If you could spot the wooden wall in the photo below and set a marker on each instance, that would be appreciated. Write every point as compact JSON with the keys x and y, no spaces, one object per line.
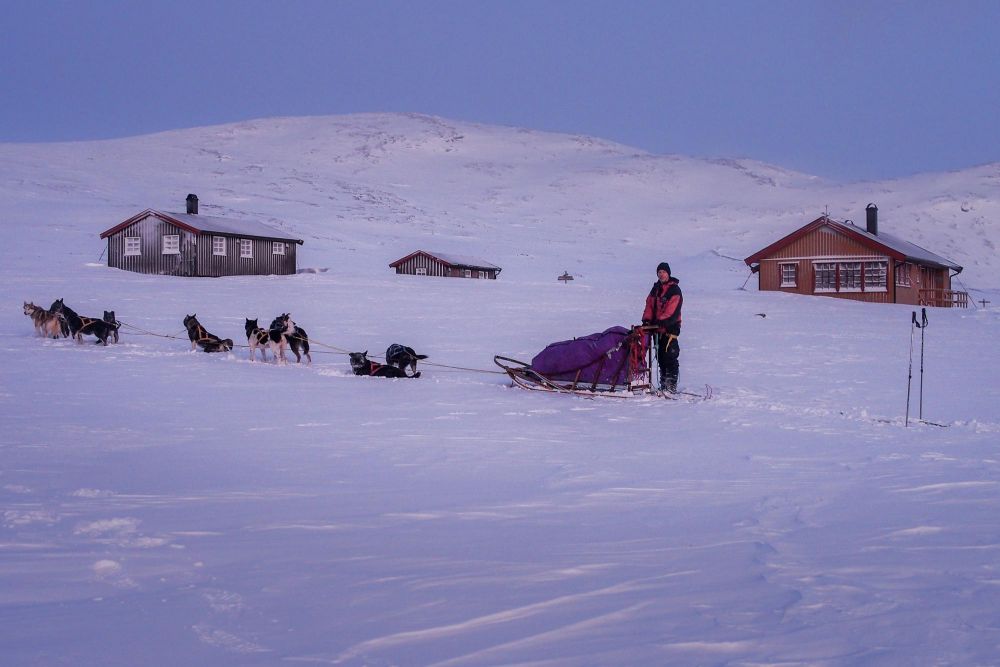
{"x":196,"y":257}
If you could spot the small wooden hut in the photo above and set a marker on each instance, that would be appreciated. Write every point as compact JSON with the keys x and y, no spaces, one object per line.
{"x":445,"y":265}
{"x":189,"y":244}
{"x":828,"y":257}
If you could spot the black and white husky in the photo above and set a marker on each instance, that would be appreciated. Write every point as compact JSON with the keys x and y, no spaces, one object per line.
{"x":362,"y":365}
{"x":257,"y":337}
{"x":283,"y":333}
{"x":401,"y":356}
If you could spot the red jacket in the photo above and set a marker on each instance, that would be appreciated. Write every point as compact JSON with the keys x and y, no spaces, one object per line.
{"x":663,"y":306}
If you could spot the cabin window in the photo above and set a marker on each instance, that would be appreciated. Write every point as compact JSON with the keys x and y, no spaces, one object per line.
{"x":850,"y":276}
{"x":482,"y":275}
{"x":133,"y":246}
{"x":421,"y":271}
{"x":903,"y":274}
{"x":826,"y":277}
{"x":875,"y":276}
{"x":246,"y":248}
{"x":219,"y":245}
{"x":171,"y":244}
{"x":468,"y":273}
{"x":277,"y":248}
{"x":789,"y":275}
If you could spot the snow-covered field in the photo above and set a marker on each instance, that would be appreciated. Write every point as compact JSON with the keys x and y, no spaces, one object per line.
{"x":160,"y":506}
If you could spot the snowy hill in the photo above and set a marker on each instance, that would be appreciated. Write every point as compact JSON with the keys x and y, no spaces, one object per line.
{"x":365,"y":189}
{"x":160,"y":506}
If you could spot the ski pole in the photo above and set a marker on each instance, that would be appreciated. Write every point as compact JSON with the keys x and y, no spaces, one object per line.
{"x":909,"y":370}
{"x":653,"y":359}
{"x":923,"y":326}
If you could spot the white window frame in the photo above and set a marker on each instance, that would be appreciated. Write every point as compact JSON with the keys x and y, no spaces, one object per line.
{"x":793,"y":281}
{"x":421,"y":271}
{"x":880,"y":270}
{"x":133,"y":246}
{"x":219,"y":246}
{"x":171,"y":244}
{"x":468,"y":273}
{"x":828,"y":266}
{"x":246,"y":248}
{"x":482,"y":275}
{"x":277,"y":247}
{"x":847,"y":270}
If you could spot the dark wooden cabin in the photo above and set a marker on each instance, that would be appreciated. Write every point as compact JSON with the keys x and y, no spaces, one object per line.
{"x":445,"y":265}
{"x":828,"y":257}
{"x":189,"y":244}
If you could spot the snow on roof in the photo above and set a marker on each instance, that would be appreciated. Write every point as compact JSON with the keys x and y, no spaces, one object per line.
{"x":237,"y":227}
{"x":911,"y":250}
{"x":454,"y":260}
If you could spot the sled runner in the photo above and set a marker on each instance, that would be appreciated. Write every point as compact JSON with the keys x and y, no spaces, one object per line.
{"x":610,"y":363}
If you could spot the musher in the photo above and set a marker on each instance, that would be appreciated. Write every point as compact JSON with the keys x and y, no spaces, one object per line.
{"x":663,"y":310}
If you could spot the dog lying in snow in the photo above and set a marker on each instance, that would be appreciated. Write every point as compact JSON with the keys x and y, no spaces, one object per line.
{"x":201,"y":338}
{"x":362,"y":365}
{"x":401,"y":356}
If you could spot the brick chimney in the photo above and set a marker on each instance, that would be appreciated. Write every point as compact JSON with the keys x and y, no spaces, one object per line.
{"x":871,"y":218}
{"x":192,"y":204}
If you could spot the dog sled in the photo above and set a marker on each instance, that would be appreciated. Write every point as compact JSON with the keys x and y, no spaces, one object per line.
{"x":610,"y":363}
{"x":614,"y":363}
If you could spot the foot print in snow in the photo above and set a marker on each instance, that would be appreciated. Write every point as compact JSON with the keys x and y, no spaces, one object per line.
{"x":111,"y":572}
{"x":226,"y":640}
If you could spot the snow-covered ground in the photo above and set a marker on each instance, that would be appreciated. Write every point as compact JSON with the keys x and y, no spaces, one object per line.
{"x":160,"y":506}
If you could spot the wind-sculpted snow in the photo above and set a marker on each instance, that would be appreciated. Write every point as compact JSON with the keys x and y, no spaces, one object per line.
{"x":160,"y":506}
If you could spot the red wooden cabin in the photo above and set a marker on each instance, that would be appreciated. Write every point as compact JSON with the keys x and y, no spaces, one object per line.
{"x":423,"y":263}
{"x":828,"y":257}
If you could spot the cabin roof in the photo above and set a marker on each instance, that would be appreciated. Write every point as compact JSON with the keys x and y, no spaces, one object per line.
{"x":210,"y":224}
{"x":886,"y":243}
{"x":456,"y":261}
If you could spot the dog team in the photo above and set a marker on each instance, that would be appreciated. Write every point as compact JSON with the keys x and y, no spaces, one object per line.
{"x":60,"y":320}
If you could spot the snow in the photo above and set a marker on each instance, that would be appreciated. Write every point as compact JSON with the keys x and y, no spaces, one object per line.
{"x":163,"y":506}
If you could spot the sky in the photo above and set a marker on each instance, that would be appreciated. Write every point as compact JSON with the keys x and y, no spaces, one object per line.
{"x":847,"y":90}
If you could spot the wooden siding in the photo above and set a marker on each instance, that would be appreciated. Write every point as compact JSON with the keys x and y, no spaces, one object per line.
{"x":438,"y":268}
{"x":151,"y":259}
{"x":196,"y":257}
{"x":263,"y":263}
{"x":822,"y":244}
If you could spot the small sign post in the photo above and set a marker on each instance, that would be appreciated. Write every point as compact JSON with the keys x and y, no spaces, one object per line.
{"x":565,"y":278}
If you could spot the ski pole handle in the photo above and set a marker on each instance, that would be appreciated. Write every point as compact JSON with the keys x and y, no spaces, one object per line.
{"x":923,"y":316}
{"x":914,"y":319}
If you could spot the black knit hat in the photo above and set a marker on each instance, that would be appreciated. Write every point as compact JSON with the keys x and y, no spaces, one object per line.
{"x":663,"y":266}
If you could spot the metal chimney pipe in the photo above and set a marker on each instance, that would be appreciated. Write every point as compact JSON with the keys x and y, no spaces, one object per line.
{"x":871,"y":219}
{"x":192,"y":204}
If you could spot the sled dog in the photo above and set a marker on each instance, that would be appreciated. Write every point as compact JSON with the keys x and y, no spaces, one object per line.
{"x":362,"y":365}
{"x":80,"y":326}
{"x":402,"y":356}
{"x":256,"y":337}
{"x":200,"y":337}
{"x":283,"y":333}
{"x":47,"y":324}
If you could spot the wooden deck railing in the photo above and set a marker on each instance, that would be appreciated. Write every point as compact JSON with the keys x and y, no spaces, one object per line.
{"x":944,"y":298}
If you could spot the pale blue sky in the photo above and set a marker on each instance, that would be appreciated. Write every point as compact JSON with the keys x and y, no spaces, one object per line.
{"x":847,"y":90}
